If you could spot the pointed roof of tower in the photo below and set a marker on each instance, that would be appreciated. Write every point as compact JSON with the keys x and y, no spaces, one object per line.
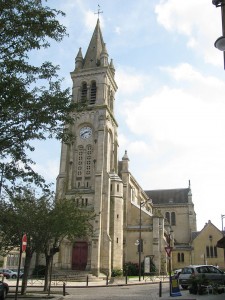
{"x":92,"y":57}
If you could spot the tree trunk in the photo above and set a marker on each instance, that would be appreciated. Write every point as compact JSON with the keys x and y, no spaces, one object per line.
{"x":48,"y":259}
{"x":28,"y":258}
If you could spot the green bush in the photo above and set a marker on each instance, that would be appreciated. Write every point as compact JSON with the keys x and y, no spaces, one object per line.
{"x":117,"y":272}
{"x":131,"y":269}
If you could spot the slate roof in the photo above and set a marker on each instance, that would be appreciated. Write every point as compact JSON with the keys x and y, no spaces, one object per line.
{"x":169,"y":196}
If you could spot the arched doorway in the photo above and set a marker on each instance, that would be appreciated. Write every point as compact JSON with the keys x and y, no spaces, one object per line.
{"x":79,"y":256}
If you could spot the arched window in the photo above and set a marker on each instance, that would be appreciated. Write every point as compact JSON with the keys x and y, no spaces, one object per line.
{"x":84,"y":92}
{"x":167,"y":216}
{"x":182,"y":257}
{"x":173,"y":218}
{"x":93,"y":92}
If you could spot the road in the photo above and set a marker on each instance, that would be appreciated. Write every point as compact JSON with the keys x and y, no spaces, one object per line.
{"x":140,"y":292}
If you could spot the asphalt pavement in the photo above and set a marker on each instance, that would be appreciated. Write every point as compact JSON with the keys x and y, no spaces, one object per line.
{"x":134,"y":289}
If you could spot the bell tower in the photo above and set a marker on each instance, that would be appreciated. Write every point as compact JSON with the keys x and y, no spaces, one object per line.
{"x":89,"y":164}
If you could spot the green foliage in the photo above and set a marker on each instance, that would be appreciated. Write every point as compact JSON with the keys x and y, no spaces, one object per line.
{"x":117,"y":273}
{"x":45,"y":222}
{"x":131,"y":269}
{"x":33,"y":105}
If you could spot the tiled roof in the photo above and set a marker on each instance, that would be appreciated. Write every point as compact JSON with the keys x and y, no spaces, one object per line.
{"x":169,"y":196}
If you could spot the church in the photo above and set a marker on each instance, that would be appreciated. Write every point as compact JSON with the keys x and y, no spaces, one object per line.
{"x":131,"y":223}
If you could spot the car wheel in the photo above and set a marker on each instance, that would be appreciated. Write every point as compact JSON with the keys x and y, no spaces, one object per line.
{"x":185,"y":287}
{"x":14,"y":276}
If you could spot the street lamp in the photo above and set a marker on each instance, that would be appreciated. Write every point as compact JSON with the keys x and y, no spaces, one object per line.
{"x":170,"y":238}
{"x":220,"y":42}
{"x":222,"y":217}
{"x":140,"y":245}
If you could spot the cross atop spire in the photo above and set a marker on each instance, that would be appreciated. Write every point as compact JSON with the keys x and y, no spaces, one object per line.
{"x":99,"y":11}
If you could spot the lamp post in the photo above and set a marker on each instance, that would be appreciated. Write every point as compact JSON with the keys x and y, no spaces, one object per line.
{"x":222,"y":217}
{"x":169,"y":250}
{"x":223,"y":233}
{"x":220,"y":42}
{"x":140,"y":245}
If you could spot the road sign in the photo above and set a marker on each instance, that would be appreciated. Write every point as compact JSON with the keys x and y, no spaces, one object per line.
{"x":24,"y":243}
{"x":168,"y":250}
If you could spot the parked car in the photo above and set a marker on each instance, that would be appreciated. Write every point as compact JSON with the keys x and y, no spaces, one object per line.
{"x":21,"y":272}
{"x":177,"y":272}
{"x":4,"y":289}
{"x":8,"y":273}
{"x":213,"y":274}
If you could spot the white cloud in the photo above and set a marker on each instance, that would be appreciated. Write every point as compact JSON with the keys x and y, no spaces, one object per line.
{"x":118,"y":30}
{"x":198,"y":20}
{"x":49,"y":169}
{"x":130,"y":81}
{"x":91,"y":19}
{"x":177,"y":134}
{"x":184,"y":116}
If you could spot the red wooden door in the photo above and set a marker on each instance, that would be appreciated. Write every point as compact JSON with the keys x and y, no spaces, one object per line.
{"x":79,"y":256}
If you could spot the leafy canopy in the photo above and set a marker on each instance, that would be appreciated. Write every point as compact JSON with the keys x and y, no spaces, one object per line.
{"x":33,"y":104}
{"x":45,"y":221}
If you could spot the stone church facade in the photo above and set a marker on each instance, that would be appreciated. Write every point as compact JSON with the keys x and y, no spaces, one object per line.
{"x":128,"y":219}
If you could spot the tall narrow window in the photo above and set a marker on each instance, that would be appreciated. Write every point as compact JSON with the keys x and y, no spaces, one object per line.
{"x":211,"y":251}
{"x":80,"y":161}
{"x":88,"y":160}
{"x":173,"y":218}
{"x":84,"y":92}
{"x":167,"y":216}
{"x":182,"y":257}
{"x":215,"y":251}
{"x":93,"y":92}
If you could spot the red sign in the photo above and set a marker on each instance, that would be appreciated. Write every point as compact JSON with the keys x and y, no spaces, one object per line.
{"x":24,"y":242}
{"x":168,"y":250}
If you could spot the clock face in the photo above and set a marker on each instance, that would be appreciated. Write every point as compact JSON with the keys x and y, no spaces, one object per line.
{"x":85,"y":132}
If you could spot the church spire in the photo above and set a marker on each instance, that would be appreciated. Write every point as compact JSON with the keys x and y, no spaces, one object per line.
{"x":92,"y":57}
{"x":79,"y":60}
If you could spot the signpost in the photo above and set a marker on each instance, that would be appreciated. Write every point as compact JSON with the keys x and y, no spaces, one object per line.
{"x":24,"y":243}
{"x":23,"y":247}
{"x":174,"y":286}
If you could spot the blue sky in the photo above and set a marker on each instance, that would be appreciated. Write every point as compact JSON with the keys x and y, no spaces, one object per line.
{"x":170,"y":103}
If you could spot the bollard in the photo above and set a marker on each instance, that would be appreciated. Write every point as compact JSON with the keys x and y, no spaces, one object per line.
{"x":107,"y":279}
{"x":160,"y":289}
{"x":64,"y":289}
{"x":87,"y":281}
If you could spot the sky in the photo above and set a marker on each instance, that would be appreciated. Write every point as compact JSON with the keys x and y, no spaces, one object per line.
{"x":170,"y":103}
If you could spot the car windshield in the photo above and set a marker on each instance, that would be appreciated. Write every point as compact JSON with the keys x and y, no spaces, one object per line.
{"x":187,"y":271}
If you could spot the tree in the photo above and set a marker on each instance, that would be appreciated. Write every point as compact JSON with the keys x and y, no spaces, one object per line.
{"x":45,"y":222}
{"x":33,"y":105}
